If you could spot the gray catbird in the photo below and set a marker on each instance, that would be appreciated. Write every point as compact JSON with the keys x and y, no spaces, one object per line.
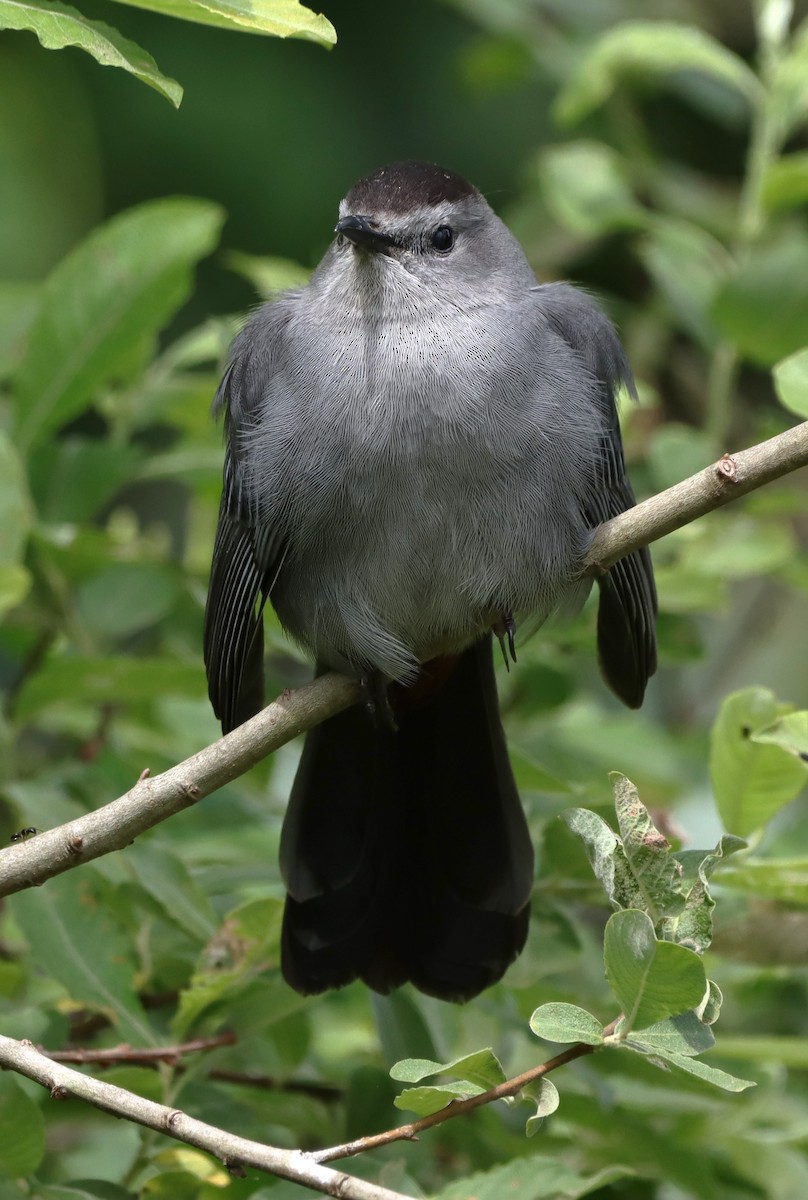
{"x":419,"y":444}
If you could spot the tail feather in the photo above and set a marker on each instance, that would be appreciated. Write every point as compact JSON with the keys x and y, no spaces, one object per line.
{"x":406,"y":854}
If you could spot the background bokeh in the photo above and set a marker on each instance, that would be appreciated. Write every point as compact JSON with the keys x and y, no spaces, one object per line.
{"x":650,"y":200}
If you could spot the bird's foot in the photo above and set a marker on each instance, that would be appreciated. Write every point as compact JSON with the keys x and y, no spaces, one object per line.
{"x":505,"y":630}
{"x":377,"y":700}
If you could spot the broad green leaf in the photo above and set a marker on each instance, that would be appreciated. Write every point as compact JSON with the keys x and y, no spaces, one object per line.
{"x":16,"y":513}
{"x":677,"y":451}
{"x":648,"y":51}
{"x":558,"y":1022}
{"x":535,"y":1178}
{"x":638,"y":870}
{"x":648,"y":852}
{"x":268,"y":275}
{"x":19,"y":304}
{"x":475,"y":1073}
{"x":694,"y":1066}
{"x":763,"y":308}
{"x":684,"y":1034}
{"x":239,"y":951}
{"x":693,"y":926}
{"x":652,"y":980}
{"x":22,"y":1131}
{"x":784,"y":879}
{"x":401,"y":1024}
{"x":791,"y":382}
{"x":482,"y":1068}
{"x":785,"y":184}
{"x":126,"y":597}
{"x":688,"y":265}
{"x":72,"y":478}
{"x":15,"y":584}
{"x":790,"y":732}
{"x":788,"y":101}
{"x":166,"y":879}
{"x":544,"y":1094}
{"x":751,"y":781}
{"x":69,"y":679}
{"x":277,"y":18}
{"x":72,"y":938}
{"x":586,"y":189}
{"x":789,"y":1051}
{"x":423,"y":1101}
{"x":113,"y":292}
{"x":58,"y":25}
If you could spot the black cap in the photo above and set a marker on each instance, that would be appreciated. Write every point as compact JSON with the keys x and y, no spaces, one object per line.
{"x":407,"y":185}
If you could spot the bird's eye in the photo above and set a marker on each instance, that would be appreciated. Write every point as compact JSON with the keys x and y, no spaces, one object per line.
{"x":340,"y":239}
{"x":443,"y":239}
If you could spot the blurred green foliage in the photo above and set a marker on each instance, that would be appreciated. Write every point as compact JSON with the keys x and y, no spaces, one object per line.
{"x":653,"y":151}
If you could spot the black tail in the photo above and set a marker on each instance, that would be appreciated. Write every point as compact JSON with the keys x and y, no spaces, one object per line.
{"x":406,"y":854}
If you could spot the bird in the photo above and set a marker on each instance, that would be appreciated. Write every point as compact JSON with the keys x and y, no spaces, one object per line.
{"x":419,"y":444}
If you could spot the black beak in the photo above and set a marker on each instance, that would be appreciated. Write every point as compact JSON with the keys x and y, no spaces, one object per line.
{"x":361,"y":232}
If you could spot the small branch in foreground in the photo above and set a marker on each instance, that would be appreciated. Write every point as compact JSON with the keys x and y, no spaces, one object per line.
{"x":151,"y":800}
{"x":731,"y":477}
{"x":235,"y":1152}
{"x":509,"y":1087}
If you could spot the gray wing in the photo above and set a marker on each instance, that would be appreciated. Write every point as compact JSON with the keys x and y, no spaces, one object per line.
{"x":628,"y":603}
{"x":246,"y":559}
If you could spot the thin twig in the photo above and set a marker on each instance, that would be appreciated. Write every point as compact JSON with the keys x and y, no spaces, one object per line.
{"x":456,"y":1108}
{"x":235,"y":1152}
{"x":113,"y":1055}
{"x":151,"y":800}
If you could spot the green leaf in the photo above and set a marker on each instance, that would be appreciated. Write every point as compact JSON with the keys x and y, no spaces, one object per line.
{"x":22,"y":1131}
{"x":790,"y":732}
{"x":791,"y":383}
{"x":58,"y":25}
{"x":423,"y":1101}
{"x":482,"y":1067}
{"x":276,"y":18}
{"x":544,"y":1094}
{"x":648,"y":853}
{"x":751,"y":781}
{"x":652,"y":980}
{"x":638,"y":870}
{"x":477,"y":1073}
{"x":268,"y":275}
{"x":785,"y":184}
{"x":688,"y":265}
{"x":16,"y":513}
{"x":648,"y":51}
{"x":788,"y":99}
{"x":763,"y":308}
{"x":684,"y":1034}
{"x":126,"y":597}
{"x":783,"y":879}
{"x":239,"y":951}
{"x":72,"y":938}
{"x":586,"y":189}
{"x":166,"y":879}
{"x":693,"y":1066}
{"x":19,"y":304}
{"x":535,"y":1178}
{"x":72,"y":478}
{"x":557,"y":1022}
{"x":116,"y":289}
{"x":64,"y":678}
{"x":693,"y":927}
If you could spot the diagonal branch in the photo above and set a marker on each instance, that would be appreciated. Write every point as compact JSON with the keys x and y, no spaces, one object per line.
{"x":235,"y":1152}
{"x":508,"y":1087}
{"x":151,"y":800}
